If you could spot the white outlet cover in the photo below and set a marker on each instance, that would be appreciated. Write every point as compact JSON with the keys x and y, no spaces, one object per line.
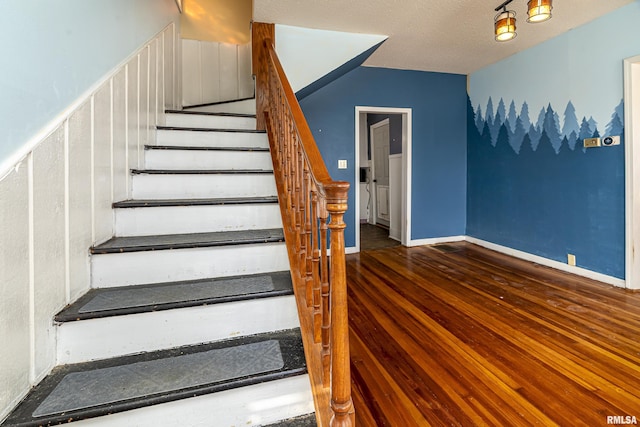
{"x":342,"y":164}
{"x":608,"y":141}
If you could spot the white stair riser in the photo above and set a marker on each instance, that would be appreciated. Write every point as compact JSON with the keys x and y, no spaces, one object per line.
{"x":199,"y":159}
{"x":248,"y":106}
{"x":93,"y":339}
{"x":211,"y":122}
{"x":136,"y":268}
{"x":195,"y":219}
{"x":254,"y":405}
{"x":194,"y":186}
{"x":188,"y":138}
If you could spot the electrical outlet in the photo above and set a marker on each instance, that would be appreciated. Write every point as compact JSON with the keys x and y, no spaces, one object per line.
{"x":591,"y":142}
{"x":571,"y":259}
{"x":342,"y":164}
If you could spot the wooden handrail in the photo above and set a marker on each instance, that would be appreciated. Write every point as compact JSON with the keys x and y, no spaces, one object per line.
{"x":312,"y":207}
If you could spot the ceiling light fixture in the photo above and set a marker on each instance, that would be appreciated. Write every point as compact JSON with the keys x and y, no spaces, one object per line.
{"x":505,"y":23}
{"x":539,"y":10}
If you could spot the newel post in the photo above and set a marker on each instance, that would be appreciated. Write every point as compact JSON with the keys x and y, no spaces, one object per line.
{"x":261,"y":35}
{"x":341,"y":404}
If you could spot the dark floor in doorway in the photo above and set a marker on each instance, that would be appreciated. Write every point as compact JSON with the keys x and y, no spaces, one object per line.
{"x":375,"y":237}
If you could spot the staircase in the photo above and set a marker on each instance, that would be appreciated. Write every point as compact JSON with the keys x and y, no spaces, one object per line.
{"x":191,"y":318}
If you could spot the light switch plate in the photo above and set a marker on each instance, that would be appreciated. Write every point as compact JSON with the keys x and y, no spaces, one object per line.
{"x":591,"y":142}
{"x":342,"y":164}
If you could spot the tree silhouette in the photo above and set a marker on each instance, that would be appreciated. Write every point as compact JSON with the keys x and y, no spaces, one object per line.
{"x":550,"y":128}
{"x":534,"y":137}
{"x":545,"y":148}
{"x":585,"y":130}
{"x":479,"y":120}
{"x":570,"y":121}
{"x":573,"y":138}
{"x":501,"y":111}
{"x":489,"y":112}
{"x":512,"y":116}
{"x":615,"y":126}
{"x":593,"y":125}
{"x":524,"y":116}
{"x":540,"y":121}
{"x":518,"y":135}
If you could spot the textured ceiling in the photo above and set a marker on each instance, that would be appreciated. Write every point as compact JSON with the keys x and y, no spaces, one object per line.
{"x":454,"y":36}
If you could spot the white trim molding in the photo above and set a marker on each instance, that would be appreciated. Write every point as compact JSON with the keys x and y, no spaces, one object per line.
{"x":632,"y":170}
{"x":436,"y":240}
{"x":407,"y":144}
{"x":548,"y":262}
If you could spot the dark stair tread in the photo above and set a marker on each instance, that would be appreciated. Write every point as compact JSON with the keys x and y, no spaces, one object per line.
{"x":191,"y":240}
{"x":194,"y":202}
{"x":199,"y":171}
{"x":123,"y":300}
{"x":208,"y":113}
{"x":231,"y":101}
{"x":92,"y":389}
{"x":201,"y":148}
{"x":201,"y":129}
{"x":302,"y":421}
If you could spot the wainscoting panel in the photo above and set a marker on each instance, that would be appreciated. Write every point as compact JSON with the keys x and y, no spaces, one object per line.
{"x":49,"y":252}
{"x":119,"y":172}
{"x":15,"y":292}
{"x":79,"y":196}
{"x":56,"y":203}
{"x":102,"y":151}
{"x":228,"y":71}
{"x":133,"y":109}
{"x":143,"y":103}
{"x":214,"y":72}
{"x":245,"y":79}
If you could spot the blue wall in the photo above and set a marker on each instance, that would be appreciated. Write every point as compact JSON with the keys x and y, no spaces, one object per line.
{"x":531,"y":185}
{"x":53,"y":51}
{"x":438,"y":102}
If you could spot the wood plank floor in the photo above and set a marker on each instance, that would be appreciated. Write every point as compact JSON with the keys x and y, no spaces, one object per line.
{"x":458,"y":335}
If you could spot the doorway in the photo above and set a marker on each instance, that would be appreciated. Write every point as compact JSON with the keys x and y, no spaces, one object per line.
{"x":398,"y":165}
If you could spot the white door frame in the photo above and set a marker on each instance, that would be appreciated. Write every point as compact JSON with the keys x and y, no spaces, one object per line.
{"x":406,"y":166}
{"x":632,"y":170}
{"x":374,"y":189}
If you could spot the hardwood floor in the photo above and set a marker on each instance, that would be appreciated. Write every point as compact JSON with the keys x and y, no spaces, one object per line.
{"x":458,"y":335}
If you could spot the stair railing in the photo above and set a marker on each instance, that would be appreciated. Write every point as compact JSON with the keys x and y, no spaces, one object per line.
{"x":312,"y":207}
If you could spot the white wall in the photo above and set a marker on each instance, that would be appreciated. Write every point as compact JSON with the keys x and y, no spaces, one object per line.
{"x":214,"y":72}
{"x":56,"y":202}
{"x":54,"y":51}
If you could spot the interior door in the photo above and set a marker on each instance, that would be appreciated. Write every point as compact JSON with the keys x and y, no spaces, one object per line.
{"x":380,"y":154}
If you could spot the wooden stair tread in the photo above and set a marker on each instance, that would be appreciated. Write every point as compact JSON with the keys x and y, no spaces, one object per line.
{"x":124,"y":300}
{"x":207,"y":113}
{"x":184,"y":241}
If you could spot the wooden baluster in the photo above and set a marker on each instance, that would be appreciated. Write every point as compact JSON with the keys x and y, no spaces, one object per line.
{"x":300,"y":220}
{"x":307,"y":234}
{"x":326,"y":306}
{"x":315,"y":275}
{"x":343,"y":412}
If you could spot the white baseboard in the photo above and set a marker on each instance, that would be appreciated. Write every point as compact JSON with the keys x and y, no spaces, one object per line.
{"x":549,"y":262}
{"x":517,"y":254}
{"x":436,"y":240}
